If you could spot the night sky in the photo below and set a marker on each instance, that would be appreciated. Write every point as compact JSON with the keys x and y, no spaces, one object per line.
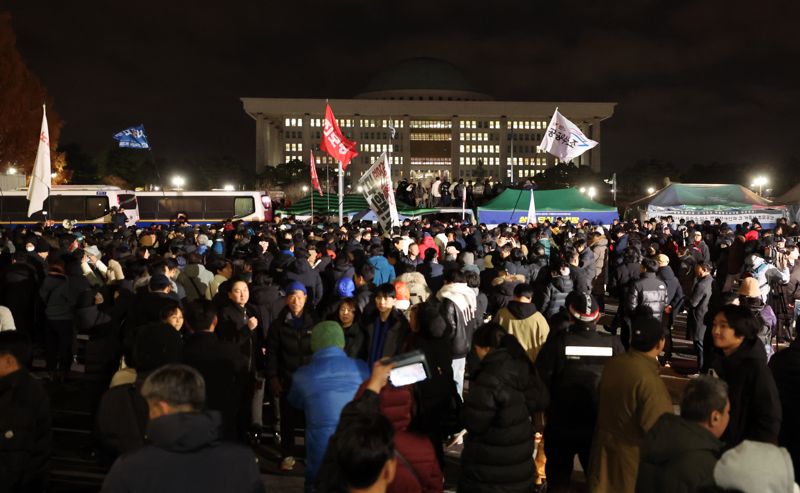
{"x":696,"y":81}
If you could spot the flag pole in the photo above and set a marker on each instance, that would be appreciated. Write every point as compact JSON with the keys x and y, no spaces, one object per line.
{"x":341,"y":194}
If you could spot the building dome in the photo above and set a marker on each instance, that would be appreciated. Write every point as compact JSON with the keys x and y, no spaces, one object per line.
{"x":422,"y":79}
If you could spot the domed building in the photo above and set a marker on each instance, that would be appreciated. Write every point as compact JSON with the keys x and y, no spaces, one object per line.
{"x":443,"y":124}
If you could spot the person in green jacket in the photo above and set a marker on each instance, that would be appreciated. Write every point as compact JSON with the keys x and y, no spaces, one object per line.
{"x":679,"y":453}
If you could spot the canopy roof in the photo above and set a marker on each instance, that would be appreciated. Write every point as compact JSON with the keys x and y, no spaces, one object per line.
{"x":791,"y":197}
{"x":328,"y":204}
{"x":704,"y":196}
{"x":565,"y":199}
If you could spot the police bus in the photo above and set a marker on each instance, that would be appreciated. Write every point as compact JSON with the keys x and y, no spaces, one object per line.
{"x":78,"y":204}
{"x":203,"y":207}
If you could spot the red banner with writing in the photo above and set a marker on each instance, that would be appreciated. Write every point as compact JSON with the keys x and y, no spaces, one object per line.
{"x":314,"y":179}
{"x":334,"y":143}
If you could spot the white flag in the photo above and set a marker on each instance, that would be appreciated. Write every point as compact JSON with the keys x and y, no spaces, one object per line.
{"x":564,"y":139}
{"x":39,"y":188}
{"x":377,"y":188}
{"x":532,"y":210}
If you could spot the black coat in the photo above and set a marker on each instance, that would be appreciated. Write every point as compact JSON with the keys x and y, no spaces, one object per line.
{"x":497,"y":416}
{"x":674,"y":290}
{"x":302,"y":272}
{"x":554,"y":296}
{"x":185,"y":454}
{"x":232,"y":327}
{"x":396,"y":337}
{"x":289,"y":348}
{"x":755,"y":405}
{"x":649,"y":291}
{"x":19,"y":294}
{"x":785,"y":366}
{"x":26,"y":439}
{"x":697,"y":305}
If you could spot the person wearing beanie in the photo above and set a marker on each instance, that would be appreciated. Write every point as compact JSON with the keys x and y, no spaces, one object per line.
{"x":345,"y":288}
{"x":632,"y":397}
{"x":572,"y":377}
{"x":756,"y":467}
{"x":322,"y":388}
{"x":289,"y":343}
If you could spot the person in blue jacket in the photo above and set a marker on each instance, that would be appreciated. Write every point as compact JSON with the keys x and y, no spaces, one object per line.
{"x":384,"y":271}
{"x":322,"y":388}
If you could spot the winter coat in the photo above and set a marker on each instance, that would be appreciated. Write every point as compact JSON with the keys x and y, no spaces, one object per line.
{"x":18,"y":292}
{"x":588,"y":262}
{"x":785,"y":366}
{"x":677,"y":456}
{"x":554,"y":296}
{"x":224,"y":369}
{"x":121,"y":422}
{"x":195,"y":279}
{"x":697,"y":305}
{"x":321,"y":389}
{"x":581,"y":279}
{"x":755,"y":405}
{"x":649,"y":291}
{"x":26,"y":440}
{"x":632,"y":398}
{"x":289,"y":347}
{"x":384,"y":272}
{"x":502,"y":291}
{"x":185,"y":454}
{"x":417,"y":286}
{"x":600,"y":250}
{"x":59,"y":296}
{"x":458,"y":306}
{"x":394,"y":342}
{"x":433,"y":274}
{"x":232,"y":327}
{"x":267,"y":303}
{"x":213,"y":286}
{"x":624,"y":275}
{"x":427,"y":242}
{"x":674,"y":290}
{"x":497,"y":416}
{"x":573,"y":381}
{"x":526,"y":323}
{"x":300,"y":270}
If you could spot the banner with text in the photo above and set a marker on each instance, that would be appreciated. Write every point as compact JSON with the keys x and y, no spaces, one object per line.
{"x":767,"y":217}
{"x":334,"y":142}
{"x":377,"y":188}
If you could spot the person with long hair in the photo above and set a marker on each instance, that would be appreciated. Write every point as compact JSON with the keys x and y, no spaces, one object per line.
{"x":505,"y":391}
{"x":739,"y":359}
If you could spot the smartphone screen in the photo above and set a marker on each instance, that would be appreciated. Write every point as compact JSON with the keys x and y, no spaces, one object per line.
{"x":406,"y":375}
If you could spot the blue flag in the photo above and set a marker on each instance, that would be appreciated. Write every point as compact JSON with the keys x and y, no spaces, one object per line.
{"x":133,"y":137}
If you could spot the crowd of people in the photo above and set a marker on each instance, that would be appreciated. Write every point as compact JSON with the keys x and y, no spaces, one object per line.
{"x":189,"y":330}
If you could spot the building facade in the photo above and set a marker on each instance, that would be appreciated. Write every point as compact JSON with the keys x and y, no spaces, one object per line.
{"x":430,"y":120}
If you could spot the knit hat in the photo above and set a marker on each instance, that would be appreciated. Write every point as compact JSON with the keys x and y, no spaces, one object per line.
{"x":296,"y":286}
{"x":327,"y":334}
{"x":647,"y":331}
{"x":756,"y":467}
{"x":159,"y":282}
{"x":749,"y":288}
{"x":662,"y":260}
{"x":584,"y":308}
{"x":345,"y":288}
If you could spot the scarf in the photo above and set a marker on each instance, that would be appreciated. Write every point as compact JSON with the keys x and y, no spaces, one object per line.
{"x":462,"y":296}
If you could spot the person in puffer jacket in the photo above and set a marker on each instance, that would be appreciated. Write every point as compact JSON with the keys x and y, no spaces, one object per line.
{"x":522,"y":320}
{"x":648,"y":290}
{"x":322,"y":388}
{"x":384,"y":272}
{"x":554,"y":297}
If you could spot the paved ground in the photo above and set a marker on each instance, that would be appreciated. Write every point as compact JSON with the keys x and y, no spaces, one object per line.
{"x":75,"y":469}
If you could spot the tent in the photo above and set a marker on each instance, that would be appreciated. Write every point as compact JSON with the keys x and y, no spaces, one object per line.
{"x":733,"y":204}
{"x":511,"y":206}
{"x":791,"y":200}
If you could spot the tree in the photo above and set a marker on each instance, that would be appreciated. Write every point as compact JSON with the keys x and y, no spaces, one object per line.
{"x":21,"y":99}
{"x":82,"y":166}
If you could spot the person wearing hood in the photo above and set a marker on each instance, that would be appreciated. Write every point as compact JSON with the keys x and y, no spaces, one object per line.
{"x":522,"y":320}
{"x":679,"y":453}
{"x":184,"y":452}
{"x":504,"y":392}
{"x":322,"y":388}
{"x":755,"y":467}
{"x":674,"y":301}
{"x":572,"y":378}
{"x":740,"y":360}
{"x":458,"y":307}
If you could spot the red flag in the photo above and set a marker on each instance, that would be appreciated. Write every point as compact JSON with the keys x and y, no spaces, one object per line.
{"x":314,"y":179}
{"x":334,"y":143}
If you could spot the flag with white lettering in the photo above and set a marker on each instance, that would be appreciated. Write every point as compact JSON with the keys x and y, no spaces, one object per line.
{"x":132,"y":137}
{"x":377,"y":188}
{"x":334,"y":143}
{"x":314,"y":178}
{"x":41,"y":180}
{"x":564,"y":139}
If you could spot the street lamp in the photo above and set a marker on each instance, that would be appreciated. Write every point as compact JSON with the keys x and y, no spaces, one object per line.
{"x":359,"y":189}
{"x":178,"y":181}
{"x":582,"y":189}
{"x":591,"y":192}
{"x":651,"y":190}
{"x":760,"y":181}
{"x":305,"y":188}
{"x":228,"y":187}
{"x":12,"y":170}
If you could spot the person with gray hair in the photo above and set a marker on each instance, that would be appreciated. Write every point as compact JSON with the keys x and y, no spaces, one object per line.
{"x":679,"y":453}
{"x":184,"y":453}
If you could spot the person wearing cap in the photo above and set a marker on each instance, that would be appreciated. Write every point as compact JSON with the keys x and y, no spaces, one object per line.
{"x":699,"y":248}
{"x":632,"y":397}
{"x":697,"y":308}
{"x":322,"y":388}
{"x":674,"y":300}
{"x":570,"y":364}
{"x":679,"y":453}
{"x":289,"y":348}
